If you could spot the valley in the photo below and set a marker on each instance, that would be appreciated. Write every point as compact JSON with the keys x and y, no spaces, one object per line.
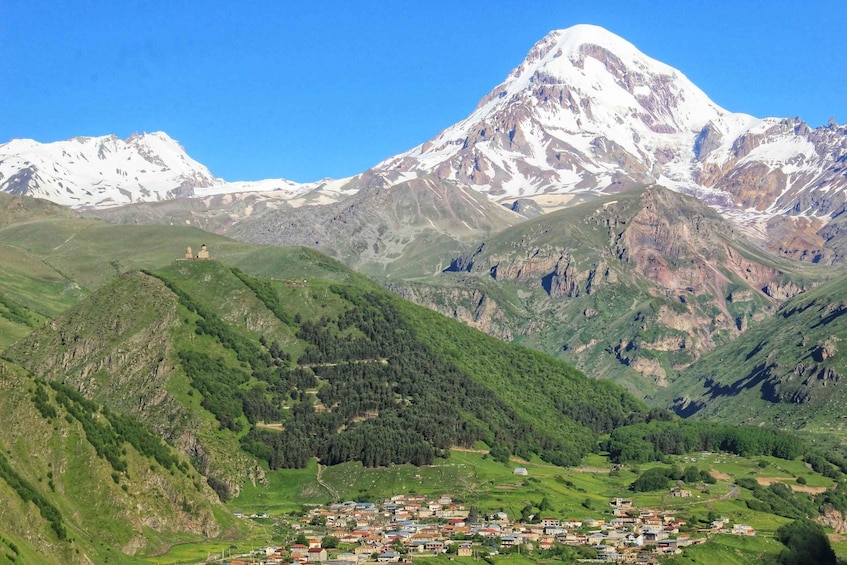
{"x":128,"y":343}
{"x":599,"y":318}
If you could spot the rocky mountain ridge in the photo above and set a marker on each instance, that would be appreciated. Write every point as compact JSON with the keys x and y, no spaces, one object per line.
{"x":644,"y":282}
{"x":584,"y":114}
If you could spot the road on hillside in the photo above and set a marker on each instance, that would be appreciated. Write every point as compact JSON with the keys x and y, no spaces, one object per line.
{"x":731,"y":494}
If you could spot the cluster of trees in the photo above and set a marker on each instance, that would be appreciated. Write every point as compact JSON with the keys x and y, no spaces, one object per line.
{"x":144,"y":441}
{"x":806,"y":544}
{"x":265,"y":292}
{"x":29,"y":494}
{"x":779,"y":499}
{"x":532,"y":380}
{"x":107,"y":434}
{"x":829,"y":465}
{"x":254,"y":355}
{"x":14,"y":312}
{"x":101,"y":435}
{"x":386,"y":397}
{"x":12,"y":546}
{"x":659,"y":478}
{"x":218,"y":383}
{"x":653,"y":440}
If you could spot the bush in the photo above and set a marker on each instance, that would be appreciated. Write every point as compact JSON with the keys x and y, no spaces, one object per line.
{"x":220,"y":488}
{"x":657,"y":478}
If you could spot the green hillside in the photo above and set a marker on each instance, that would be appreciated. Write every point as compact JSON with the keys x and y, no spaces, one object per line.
{"x":785,"y":371}
{"x":82,"y":484}
{"x":50,"y":258}
{"x":292,"y":370}
{"x":141,"y":390}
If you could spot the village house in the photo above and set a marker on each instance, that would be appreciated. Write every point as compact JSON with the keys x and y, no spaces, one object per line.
{"x":316,"y":554}
{"x":465,"y":550}
{"x":380,"y":529}
{"x":549,"y":522}
{"x":680,"y":492}
{"x":743,"y":530}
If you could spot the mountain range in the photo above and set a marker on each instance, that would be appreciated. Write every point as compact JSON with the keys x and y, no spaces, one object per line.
{"x":491,"y":221}
{"x":596,"y":206}
{"x":584,"y":114}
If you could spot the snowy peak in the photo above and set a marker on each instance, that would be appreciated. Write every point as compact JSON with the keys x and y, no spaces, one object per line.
{"x":584,"y":112}
{"x":604,"y":80}
{"x":101,"y":171}
{"x":108,"y":171}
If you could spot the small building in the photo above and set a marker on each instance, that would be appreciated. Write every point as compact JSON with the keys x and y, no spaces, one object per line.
{"x":743,"y":530}
{"x":549,"y":522}
{"x":316,"y":554}
{"x":521,"y":471}
{"x":203,"y":254}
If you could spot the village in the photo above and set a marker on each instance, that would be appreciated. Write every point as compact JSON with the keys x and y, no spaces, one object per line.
{"x":407,"y":527}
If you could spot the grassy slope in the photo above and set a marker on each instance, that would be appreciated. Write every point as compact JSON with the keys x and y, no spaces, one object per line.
{"x":139,"y":317}
{"x":93,"y":252}
{"x":50,"y":259}
{"x":103,"y":517}
{"x":36,"y":291}
{"x":760,"y":364}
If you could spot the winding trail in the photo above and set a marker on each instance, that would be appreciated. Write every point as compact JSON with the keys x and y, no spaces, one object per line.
{"x":731,"y":494}
{"x":330,"y":490}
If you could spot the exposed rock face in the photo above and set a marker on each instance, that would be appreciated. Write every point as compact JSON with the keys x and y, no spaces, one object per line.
{"x":469,"y":305}
{"x":656,"y":247}
{"x":382,"y":223}
{"x":832,"y":518}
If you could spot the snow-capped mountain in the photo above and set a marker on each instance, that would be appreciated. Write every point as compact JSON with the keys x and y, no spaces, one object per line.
{"x":586,"y":112}
{"x":108,"y":171}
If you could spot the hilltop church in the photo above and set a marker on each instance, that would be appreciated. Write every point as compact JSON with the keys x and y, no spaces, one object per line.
{"x":203,"y":254}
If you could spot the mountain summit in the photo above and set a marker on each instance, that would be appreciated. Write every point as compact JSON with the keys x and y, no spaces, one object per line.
{"x":587,"y":113}
{"x":584,"y":112}
{"x":108,"y":171}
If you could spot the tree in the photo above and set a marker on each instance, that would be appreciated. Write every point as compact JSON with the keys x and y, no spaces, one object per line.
{"x":526,"y":513}
{"x":692,"y":475}
{"x":652,"y":479}
{"x":318,"y":521}
{"x":806,"y":544}
{"x":329,"y":542}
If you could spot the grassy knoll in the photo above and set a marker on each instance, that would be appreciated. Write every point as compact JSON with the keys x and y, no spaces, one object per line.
{"x":729,"y":550}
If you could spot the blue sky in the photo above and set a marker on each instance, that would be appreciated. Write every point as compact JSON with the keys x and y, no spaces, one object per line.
{"x":329,"y":88}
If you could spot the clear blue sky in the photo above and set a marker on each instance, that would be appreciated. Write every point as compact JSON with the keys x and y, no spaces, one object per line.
{"x":303,"y":90}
